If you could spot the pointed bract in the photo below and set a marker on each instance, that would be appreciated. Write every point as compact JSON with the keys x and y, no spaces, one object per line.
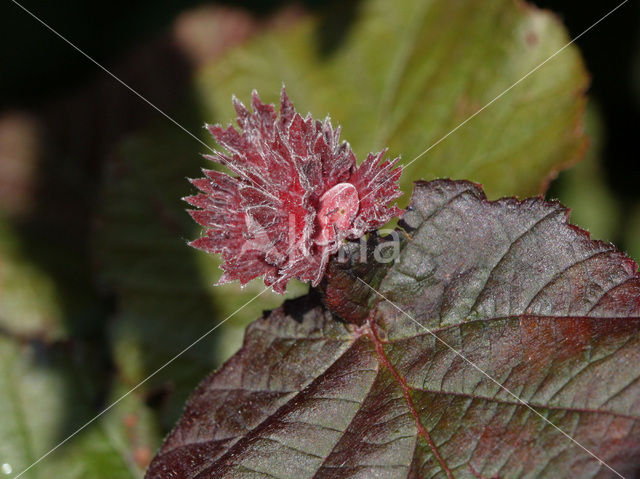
{"x":297,"y":195}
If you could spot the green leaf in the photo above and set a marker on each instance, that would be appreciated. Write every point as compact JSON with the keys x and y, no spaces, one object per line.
{"x":584,"y":188}
{"x":409,"y":72}
{"x":632,"y":232}
{"x":46,"y":393}
{"x":499,"y":326}
{"x":45,"y":293}
{"x":30,"y":304}
{"x":119,"y":445}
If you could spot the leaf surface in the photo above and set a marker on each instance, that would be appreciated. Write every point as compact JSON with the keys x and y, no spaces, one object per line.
{"x":544,"y":313}
{"x":46,"y":393}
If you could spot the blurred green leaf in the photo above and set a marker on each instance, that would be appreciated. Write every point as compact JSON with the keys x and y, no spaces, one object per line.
{"x":45,"y":292}
{"x":631,"y":239}
{"x":46,"y":393}
{"x":411,"y":71}
{"x":162,"y":301}
{"x":119,"y":445}
{"x":29,"y":304}
{"x":584,"y":189}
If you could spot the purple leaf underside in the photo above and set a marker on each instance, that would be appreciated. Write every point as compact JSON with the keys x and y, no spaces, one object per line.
{"x":529,"y":299}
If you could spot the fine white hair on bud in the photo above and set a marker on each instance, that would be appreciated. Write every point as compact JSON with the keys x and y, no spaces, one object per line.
{"x":295,"y":196}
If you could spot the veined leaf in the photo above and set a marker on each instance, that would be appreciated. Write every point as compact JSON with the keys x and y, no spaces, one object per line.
{"x":490,"y":305}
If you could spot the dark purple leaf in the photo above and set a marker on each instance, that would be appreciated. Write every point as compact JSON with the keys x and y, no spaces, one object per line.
{"x":530,"y":300}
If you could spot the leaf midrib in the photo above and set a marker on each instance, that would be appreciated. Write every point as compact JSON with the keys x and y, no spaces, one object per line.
{"x":405,"y":387}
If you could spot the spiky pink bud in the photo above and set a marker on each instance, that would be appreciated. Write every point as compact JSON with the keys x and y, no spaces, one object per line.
{"x":297,"y":196}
